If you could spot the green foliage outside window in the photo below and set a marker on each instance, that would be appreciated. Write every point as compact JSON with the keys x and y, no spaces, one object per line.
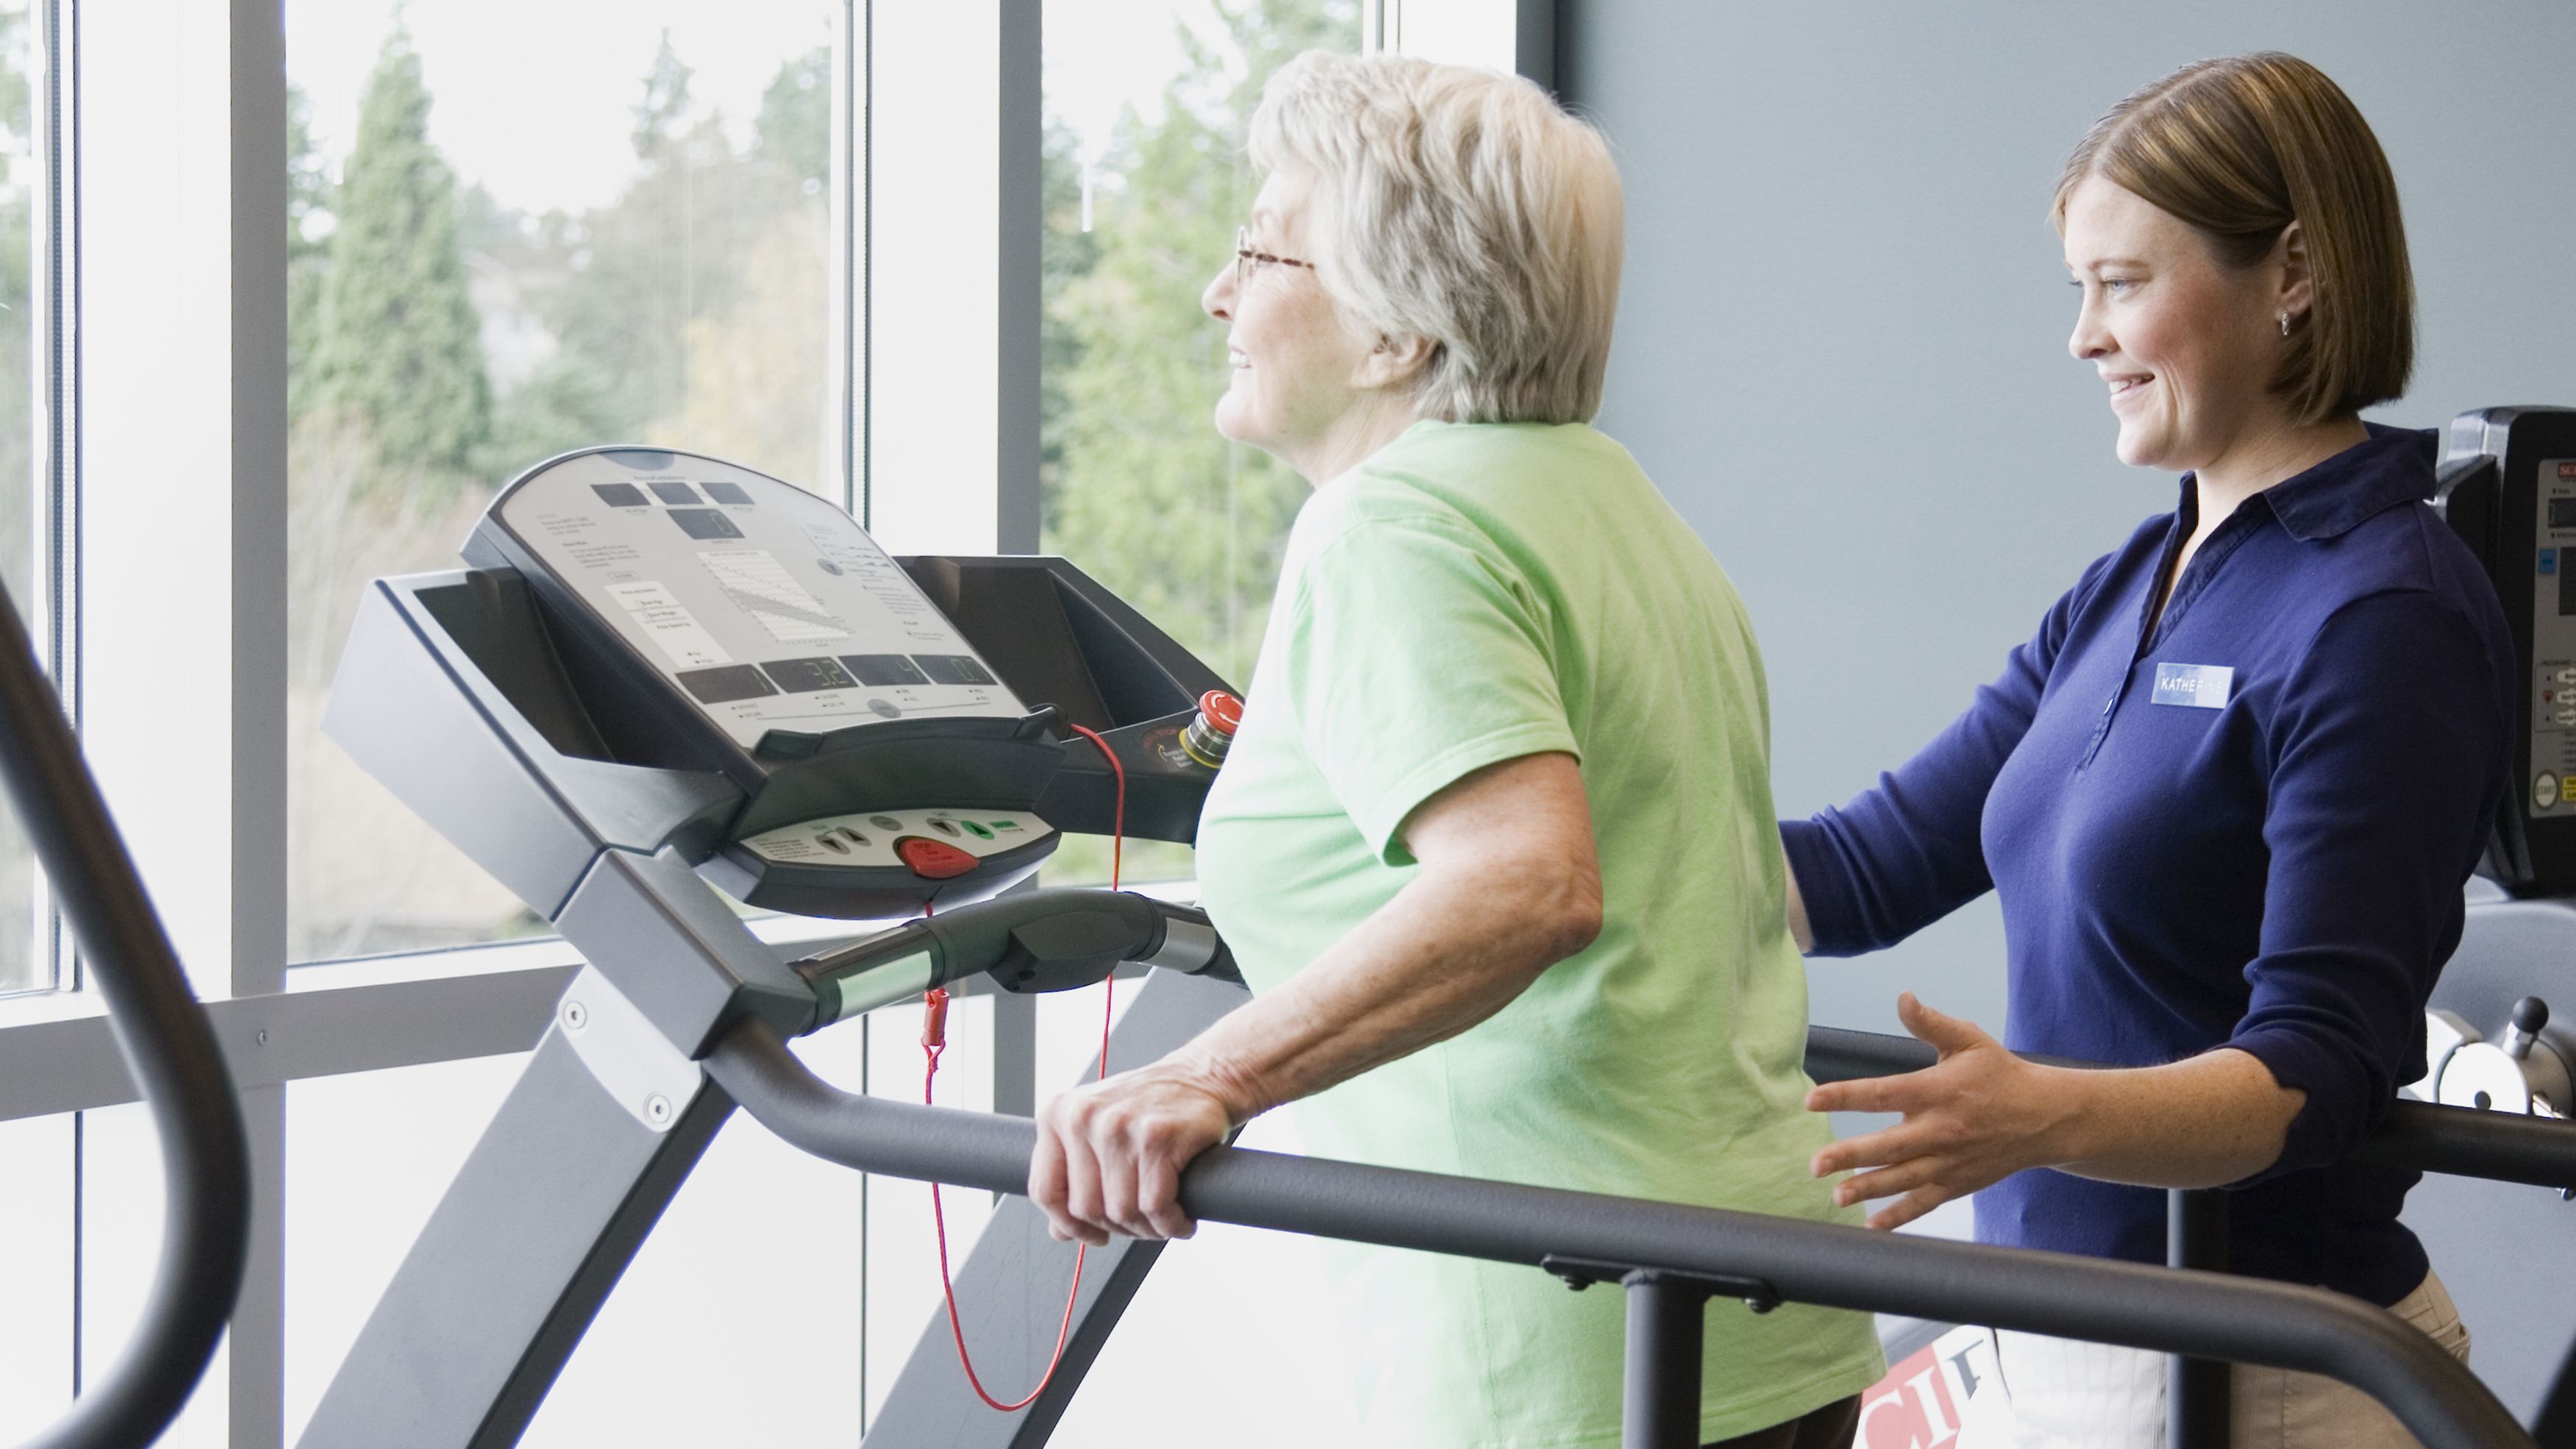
{"x":22,"y":965}
{"x":440,"y":343}
{"x":1139,"y":489}
{"x":397,"y":350}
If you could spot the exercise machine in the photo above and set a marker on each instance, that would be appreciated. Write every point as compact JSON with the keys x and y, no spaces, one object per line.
{"x":666,"y":688}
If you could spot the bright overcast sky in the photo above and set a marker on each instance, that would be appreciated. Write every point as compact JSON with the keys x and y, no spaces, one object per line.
{"x":1103,"y":54}
{"x":534,"y":98}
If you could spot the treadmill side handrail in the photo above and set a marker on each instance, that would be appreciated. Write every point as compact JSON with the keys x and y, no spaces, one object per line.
{"x":2422,"y":1136}
{"x":169,"y":1047}
{"x":2208,"y":1314}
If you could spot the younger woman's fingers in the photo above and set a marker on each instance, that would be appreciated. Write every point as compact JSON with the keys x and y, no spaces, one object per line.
{"x":1902,"y":1211}
{"x":1948,"y":1033}
{"x":1908,"y":1175}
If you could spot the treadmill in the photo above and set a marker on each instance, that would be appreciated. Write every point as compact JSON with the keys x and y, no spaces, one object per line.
{"x":667,"y":691}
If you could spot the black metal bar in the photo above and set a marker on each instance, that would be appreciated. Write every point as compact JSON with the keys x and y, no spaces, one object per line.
{"x":1667,"y":1326}
{"x":2162,"y":1310}
{"x":2197,"y":1411}
{"x":169,"y":1047}
{"x":2465,"y":1142}
{"x":2555,"y":1426}
{"x":2460,"y":1141}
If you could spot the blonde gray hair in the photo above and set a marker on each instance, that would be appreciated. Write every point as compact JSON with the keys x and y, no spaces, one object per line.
{"x":1463,"y":207}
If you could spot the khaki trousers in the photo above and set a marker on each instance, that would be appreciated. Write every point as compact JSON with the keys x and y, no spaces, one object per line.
{"x":2072,"y":1395}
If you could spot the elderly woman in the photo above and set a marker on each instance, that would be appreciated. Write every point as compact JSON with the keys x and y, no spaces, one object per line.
{"x":1494,"y":843}
{"x":2227,"y":794}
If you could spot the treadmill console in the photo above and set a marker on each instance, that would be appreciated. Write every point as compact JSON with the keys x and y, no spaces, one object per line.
{"x":2508,"y":488}
{"x":767,"y":608}
{"x":685,"y":654}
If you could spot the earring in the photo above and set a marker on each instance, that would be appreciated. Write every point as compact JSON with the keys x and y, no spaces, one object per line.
{"x":2285,"y":324}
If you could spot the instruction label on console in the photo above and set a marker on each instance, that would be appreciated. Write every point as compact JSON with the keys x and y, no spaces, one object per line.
{"x":770,"y":607}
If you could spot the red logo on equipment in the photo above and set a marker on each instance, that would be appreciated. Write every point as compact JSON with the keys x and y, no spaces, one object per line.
{"x":2567,"y":470}
{"x":1928,"y":1396}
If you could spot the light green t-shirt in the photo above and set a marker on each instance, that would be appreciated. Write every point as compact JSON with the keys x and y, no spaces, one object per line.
{"x":1473,"y":594}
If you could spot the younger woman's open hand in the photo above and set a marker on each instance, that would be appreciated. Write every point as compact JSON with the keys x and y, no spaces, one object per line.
{"x":1977,"y":1116}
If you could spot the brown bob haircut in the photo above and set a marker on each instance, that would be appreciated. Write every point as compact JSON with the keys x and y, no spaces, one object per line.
{"x":2238,"y":149}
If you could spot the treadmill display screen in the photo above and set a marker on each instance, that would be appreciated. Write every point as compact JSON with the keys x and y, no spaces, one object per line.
{"x":771,"y":610}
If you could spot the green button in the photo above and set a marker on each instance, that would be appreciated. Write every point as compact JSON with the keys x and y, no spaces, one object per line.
{"x":978,"y":831}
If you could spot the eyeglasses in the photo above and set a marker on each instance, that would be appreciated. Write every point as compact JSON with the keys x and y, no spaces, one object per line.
{"x":1248,"y":263}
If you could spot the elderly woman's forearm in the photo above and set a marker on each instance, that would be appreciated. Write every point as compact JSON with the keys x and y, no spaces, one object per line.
{"x":1439,"y":959}
{"x":1508,"y":884}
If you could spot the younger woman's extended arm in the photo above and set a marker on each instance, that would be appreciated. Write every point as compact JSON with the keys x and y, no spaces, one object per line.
{"x":1984,"y":1114}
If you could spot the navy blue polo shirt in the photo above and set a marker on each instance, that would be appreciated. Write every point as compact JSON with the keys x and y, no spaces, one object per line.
{"x":2248,"y":829}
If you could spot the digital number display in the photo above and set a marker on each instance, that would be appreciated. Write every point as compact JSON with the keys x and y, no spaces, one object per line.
{"x":703,"y":522}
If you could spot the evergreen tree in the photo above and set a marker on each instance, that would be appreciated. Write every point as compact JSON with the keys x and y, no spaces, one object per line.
{"x":687,"y":312}
{"x":308,"y":245}
{"x":666,"y":102}
{"x":794,"y":129}
{"x":399,"y":352}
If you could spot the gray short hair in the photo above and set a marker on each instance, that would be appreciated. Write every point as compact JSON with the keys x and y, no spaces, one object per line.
{"x":1461,"y":206}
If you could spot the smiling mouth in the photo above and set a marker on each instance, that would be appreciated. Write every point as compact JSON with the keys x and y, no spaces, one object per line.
{"x":2123,"y":388}
{"x":1235,"y":358}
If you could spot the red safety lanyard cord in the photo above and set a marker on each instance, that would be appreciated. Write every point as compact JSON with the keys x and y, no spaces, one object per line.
{"x":934,"y":1040}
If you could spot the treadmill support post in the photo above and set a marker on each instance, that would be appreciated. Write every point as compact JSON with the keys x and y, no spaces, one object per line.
{"x":1667,"y":1336}
{"x":2197,"y":1390}
{"x":1667,"y":1326}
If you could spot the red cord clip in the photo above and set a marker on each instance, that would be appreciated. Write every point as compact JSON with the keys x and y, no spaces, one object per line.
{"x":934,"y":1017}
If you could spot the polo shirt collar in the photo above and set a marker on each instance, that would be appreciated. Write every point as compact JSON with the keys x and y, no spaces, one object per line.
{"x":2392,"y":466}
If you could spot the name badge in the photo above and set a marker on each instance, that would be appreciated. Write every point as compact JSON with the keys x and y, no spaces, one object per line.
{"x":2199,"y":686}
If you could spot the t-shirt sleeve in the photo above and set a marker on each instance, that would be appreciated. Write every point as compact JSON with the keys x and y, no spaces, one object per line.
{"x":1416,"y":655}
{"x":2385,"y":780}
{"x":1902,"y":855}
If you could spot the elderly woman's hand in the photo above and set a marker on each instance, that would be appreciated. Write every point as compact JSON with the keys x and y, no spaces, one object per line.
{"x":1506,"y":885}
{"x":1982,"y":1114}
{"x":1110,"y":1154}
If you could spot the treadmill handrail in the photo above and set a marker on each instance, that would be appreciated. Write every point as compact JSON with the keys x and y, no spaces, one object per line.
{"x":2208,"y":1315}
{"x":169,"y":1048}
{"x":2460,"y":1141}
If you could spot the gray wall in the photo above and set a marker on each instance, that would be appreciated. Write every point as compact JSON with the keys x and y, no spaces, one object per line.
{"x":1842,"y":351}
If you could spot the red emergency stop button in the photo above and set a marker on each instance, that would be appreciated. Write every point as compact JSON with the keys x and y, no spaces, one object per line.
{"x":1224,"y":712}
{"x":933,"y":859}
{"x":1211,"y":732}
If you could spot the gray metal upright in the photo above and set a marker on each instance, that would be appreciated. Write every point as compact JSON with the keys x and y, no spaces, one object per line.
{"x":539,"y":1225}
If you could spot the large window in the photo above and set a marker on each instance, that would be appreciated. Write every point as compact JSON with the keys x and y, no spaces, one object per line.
{"x":26,"y":952}
{"x":1146,"y":103}
{"x":514,"y":229}
{"x":613,"y":228}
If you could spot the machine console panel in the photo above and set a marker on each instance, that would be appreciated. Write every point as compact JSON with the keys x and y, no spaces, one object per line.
{"x":2552,"y":697}
{"x":816,"y":726}
{"x":2508,"y":488}
{"x":764,"y":605}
